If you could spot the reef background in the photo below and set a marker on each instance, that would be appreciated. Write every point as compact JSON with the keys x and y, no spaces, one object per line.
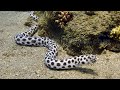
{"x":87,"y":33}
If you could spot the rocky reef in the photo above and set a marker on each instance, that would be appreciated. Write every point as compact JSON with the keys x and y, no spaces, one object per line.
{"x":87,"y":32}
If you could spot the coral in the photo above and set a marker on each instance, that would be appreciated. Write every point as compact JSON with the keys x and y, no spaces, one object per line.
{"x":88,"y":32}
{"x":63,"y":17}
{"x":115,"y":33}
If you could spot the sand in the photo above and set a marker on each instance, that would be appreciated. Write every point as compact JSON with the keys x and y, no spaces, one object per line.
{"x":22,"y":62}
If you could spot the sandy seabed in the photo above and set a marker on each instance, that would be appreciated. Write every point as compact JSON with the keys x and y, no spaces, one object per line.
{"x":21,"y":62}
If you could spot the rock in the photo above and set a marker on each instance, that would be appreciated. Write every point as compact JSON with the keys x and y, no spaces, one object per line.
{"x":84,"y":34}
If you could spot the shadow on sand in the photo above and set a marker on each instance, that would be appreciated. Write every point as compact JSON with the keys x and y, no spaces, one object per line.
{"x":80,"y":69}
